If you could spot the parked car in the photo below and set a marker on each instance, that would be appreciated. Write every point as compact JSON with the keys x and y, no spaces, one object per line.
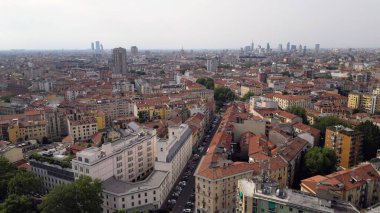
{"x":187,"y":210}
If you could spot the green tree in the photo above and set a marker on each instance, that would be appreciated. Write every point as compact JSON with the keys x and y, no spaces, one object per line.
{"x":7,"y":171}
{"x":247,"y":96}
{"x":17,"y":204}
{"x":207,"y":82}
{"x":24,"y":183}
{"x":299,"y":111}
{"x":222,"y":96}
{"x":324,"y":122}
{"x":82,"y":196}
{"x":320,"y":161}
{"x":371,"y":139}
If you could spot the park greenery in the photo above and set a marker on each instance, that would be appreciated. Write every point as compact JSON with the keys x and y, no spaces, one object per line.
{"x":247,"y":96}
{"x":82,"y":196}
{"x":18,"y":188}
{"x":66,"y":163}
{"x":371,"y":139}
{"x":207,"y":82}
{"x":299,"y":111}
{"x":320,"y":161}
{"x":223,"y":96}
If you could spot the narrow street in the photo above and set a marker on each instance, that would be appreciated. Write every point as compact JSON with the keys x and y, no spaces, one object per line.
{"x":187,"y":193}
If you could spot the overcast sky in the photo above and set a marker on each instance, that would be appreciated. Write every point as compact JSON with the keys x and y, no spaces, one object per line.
{"x":193,"y":24}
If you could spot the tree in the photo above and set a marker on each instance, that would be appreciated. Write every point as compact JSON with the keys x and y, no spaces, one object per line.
{"x":24,"y":183}
{"x":371,"y":139}
{"x":320,"y":161}
{"x":7,"y":171}
{"x":322,"y":123}
{"x":222,"y":96}
{"x":299,"y":111}
{"x":17,"y":204}
{"x":247,"y":96}
{"x":207,"y":82}
{"x":83,"y":195}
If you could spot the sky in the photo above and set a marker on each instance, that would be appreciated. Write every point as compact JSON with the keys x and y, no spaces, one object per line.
{"x":191,"y":24}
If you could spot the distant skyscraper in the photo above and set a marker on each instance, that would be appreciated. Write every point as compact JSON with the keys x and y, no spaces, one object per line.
{"x":212,"y":64}
{"x":280,"y":47}
{"x":92,"y":46}
{"x":247,"y":49}
{"x":134,"y":51}
{"x":119,"y":59}
{"x":252,"y":46}
{"x":288,"y":46}
{"x":317,"y":46}
{"x":300,"y":48}
{"x":293,"y":48}
{"x":97,"y":45}
{"x":304,"y":50}
{"x":101,"y":47}
{"x":268,"y":47}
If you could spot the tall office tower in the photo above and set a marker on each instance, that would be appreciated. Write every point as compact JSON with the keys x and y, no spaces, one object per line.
{"x":268,"y":47}
{"x":252,"y":46}
{"x":97,"y":45}
{"x":293,"y":48}
{"x":288,"y":47}
{"x":247,"y":49}
{"x":317,"y":46}
{"x":101,"y":47}
{"x":119,"y":59}
{"x":134,"y":51}
{"x":212,"y":64}
{"x":300,"y":48}
{"x":92,"y":46}
{"x":304,"y":50}
{"x":280,"y":47}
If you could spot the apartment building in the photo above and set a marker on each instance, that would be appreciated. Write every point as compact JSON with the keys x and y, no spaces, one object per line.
{"x":29,"y":130}
{"x":130,"y":158}
{"x":359,"y":186}
{"x":347,"y":144}
{"x":151,"y":111}
{"x":82,"y":130}
{"x":173,"y":153}
{"x":52,"y":170}
{"x":258,"y":195}
{"x":369,"y":103}
{"x":286,"y":101}
{"x":256,"y":89}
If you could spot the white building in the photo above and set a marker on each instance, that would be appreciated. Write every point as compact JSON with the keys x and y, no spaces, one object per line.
{"x":259,"y":102}
{"x":130,"y":158}
{"x":172,"y":154}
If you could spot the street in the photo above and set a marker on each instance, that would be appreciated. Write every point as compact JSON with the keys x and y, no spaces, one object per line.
{"x":186,"y":196}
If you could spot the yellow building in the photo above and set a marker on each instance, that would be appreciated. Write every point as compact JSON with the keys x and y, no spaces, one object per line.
{"x":82,"y":130}
{"x":255,"y":89}
{"x":346,"y":143}
{"x":35,"y":130}
{"x":369,"y":103}
{"x":151,"y":111}
{"x":353,"y":101}
{"x":100,"y":119}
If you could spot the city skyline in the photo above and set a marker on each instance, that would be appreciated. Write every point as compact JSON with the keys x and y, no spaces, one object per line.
{"x":171,"y":24}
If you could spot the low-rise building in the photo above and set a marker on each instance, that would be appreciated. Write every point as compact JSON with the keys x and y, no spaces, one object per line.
{"x":287,"y":101}
{"x":36,"y":130}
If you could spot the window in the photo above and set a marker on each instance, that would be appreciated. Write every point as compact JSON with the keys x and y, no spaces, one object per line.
{"x":86,"y":160}
{"x":122,"y":199}
{"x":146,"y":194}
{"x":161,"y":149}
{"x":79,"y":158}
{"x":132,"y":197}
{"x":146,"y":200}
{"x":133,"y":203}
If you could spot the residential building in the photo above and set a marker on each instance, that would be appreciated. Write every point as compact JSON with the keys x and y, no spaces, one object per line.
{"x":173,"y":153}
{"x":256,"y":89}
{"x":347,"y":144}
{"x":35,"y":130}
{"x":257,"y":195}
{"x":369,"y":103}
{"x":359,"y":186}
{"x":82,"y":130}
{"x":51,"y":169}
{"x":130,"y":158}
{"x":286,"y":101}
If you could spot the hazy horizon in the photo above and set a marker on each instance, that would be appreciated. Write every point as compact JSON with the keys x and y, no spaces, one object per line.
{"x":197,"y":24}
